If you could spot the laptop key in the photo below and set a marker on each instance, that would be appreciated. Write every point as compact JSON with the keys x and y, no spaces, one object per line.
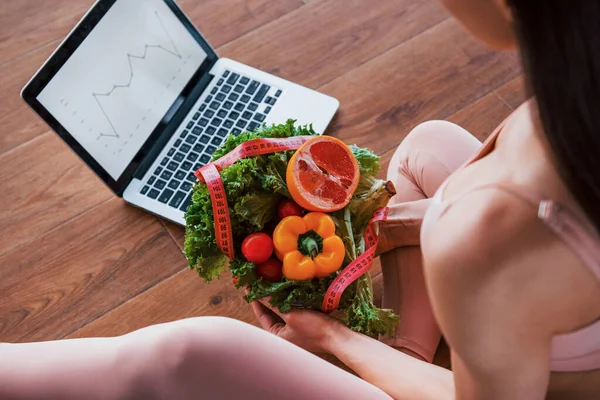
{"x":239,"y":107}
{"x":186,"y":165}
{"x":202,"y":108}
{"x":220,"y":82}
{"x":209,"y":114}
{"x":174,"y":184}
{"x":238,"y":89}
{"x":172,"y":166}
{"x":151,"y":180}
{"x":185,"y":148}
{"x":154,"y":194}
{"x":227,"y":105}
{"x":177,"y":143}
{"x":164,"y":161}
{"x":196,"y":116}
{"x":252,"y":126}
{"x":197,"y":130}
{"x":252,"y":106}
{"x":184,"y":134}
{"x":177,"y":199}
{"x":204,"y":139}
{"x":259,"y":117}
{"x":245,"y":98}
{"x":186,"y":186}
{"x":208,"y":99}
{"x":145,"y":189}
{"x":160,"y":184}
{"x":222,"y":132}
{"x":180,"y":175}
{"x":233,"y":96}
{"x":170,"y":153}
{"x":179,"y":157}
{"x":222,"y":114}
{"x":211,"y":149}
{"x":211,"y":130}
{"x":204,"y":159}
{"x":215,"y":105}
{"x":233,"y":78}
{"x":268,"y":100}
{"x":191,"y":177}
{"x":157,"y":170}
{"x":190,"y":125}
{"x":166,"y":175}
{"x":198,"y":148}
{"x":192,"y":156}
{"x":262,"y":92}
{"x":220,"y":97}
{"x":186,"y":203}
{"x":226,"y":89}
{"x":228,"y":124}
{"x":197,"y":166}
{"x":202,"y":122}
{"x":216,"y":141}
{"x":247,"y":115}
{"x":268,"y":110}
{"x":214,"y":90}
{"x":226,"y":73}
{"x":252,"y":87}
{"x":244,"y":80}
{"x":271,"y":100}
{"x":241,"y":123}
{"x":236,"y":131}
{"x":278,"y":93}
{"x":234,"y":115}
{"x":165,"y":196}
{"x":191,"y":139}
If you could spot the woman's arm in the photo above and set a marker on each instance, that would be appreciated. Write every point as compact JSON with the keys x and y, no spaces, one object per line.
{"x":399,"y":375}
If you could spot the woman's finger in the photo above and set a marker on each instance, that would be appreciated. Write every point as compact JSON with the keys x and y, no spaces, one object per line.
{"x":265,"y":317}
{"x":266,"y":303}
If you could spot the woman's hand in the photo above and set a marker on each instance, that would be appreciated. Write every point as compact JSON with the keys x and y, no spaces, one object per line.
{"x":308,"y":329}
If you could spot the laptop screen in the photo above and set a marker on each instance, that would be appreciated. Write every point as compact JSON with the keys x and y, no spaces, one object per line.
{"x":117,"y":86}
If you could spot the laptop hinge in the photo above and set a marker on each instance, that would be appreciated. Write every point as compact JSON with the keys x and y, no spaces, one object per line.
{"x":181,"y":112}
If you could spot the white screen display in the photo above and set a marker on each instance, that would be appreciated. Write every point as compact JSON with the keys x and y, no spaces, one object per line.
{"x":121,"y":81}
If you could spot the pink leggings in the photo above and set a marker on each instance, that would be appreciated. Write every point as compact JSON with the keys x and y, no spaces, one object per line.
{"x":221,"y":358}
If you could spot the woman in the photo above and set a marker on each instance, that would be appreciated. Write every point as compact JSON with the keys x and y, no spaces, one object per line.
{"x":510,"y":277}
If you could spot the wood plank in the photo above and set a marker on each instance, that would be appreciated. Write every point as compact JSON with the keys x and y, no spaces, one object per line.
{"x":419,"y":83}
{"x":513,"y":93}
{"x":44,"y":185}
{"x":72,"y":275}
{"x":356,"y":32}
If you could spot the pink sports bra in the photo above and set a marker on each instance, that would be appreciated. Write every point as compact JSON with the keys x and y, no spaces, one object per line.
{"x":574,"y":351}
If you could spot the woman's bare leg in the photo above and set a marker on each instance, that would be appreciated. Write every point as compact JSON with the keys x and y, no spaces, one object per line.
{"x":198,"y":358}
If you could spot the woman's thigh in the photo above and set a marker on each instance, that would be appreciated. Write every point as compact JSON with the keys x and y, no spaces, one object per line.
{"x":221,"y":358}
{"x":427,"y":156}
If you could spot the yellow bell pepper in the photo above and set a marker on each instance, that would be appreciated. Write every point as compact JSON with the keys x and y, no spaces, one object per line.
{"x":308,"y":246}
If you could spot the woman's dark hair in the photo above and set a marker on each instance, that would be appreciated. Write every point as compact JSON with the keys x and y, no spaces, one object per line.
{"x":560,"y":49}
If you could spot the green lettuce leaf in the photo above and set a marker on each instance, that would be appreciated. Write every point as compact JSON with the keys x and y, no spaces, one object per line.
{"x":257,"y":209}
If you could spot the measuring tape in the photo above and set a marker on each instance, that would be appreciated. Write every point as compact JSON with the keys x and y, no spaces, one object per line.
{"x":223,"y":232}
{"x":357,"y":267}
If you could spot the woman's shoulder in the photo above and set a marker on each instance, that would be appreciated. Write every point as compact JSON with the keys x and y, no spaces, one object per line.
{"x":492,"y":242}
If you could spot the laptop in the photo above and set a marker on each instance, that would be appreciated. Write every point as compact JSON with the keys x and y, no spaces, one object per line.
{"x":141,"y":97}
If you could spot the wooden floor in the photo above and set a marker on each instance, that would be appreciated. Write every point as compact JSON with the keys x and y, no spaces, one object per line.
{"x":76,"y":261}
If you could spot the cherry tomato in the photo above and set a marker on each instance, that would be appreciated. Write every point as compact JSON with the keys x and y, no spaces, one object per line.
{"x":235,"y":280}
{"x":270,"y":270}
{"x":257,"y":247}
{"x":287,"y":208}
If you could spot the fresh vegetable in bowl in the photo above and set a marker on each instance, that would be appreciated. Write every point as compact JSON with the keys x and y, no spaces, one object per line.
{"x":282,"y":250}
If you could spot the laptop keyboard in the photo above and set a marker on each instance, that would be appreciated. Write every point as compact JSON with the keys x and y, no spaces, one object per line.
{"x":236,"y":103}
